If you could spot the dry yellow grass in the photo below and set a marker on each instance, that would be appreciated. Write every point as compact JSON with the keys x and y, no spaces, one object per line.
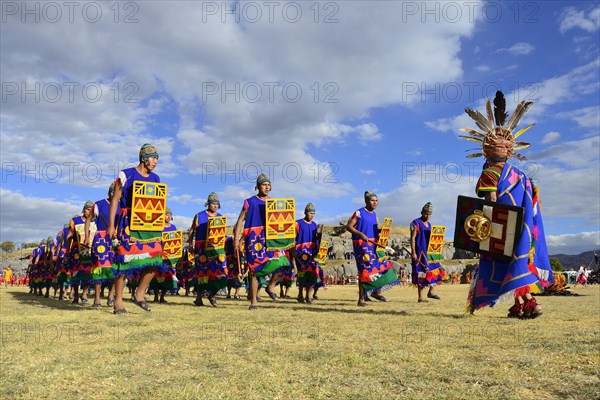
{"x":285,"y":350}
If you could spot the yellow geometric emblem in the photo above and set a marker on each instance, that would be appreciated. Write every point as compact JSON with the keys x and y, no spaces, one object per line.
{"x":215,"y":235}
{"x":385,"y":232}
{"x":80,"y":233}
{"x":281,"y":218}
{"x":436,"y":240}
{"x":323,"y":250}
{"x":172,"y":243}
{"x":149,"y":204}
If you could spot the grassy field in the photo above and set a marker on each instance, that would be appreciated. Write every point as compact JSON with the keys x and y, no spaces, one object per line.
{"x":287,"y":350}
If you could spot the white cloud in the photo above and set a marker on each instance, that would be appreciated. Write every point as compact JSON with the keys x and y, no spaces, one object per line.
{"x":550,"y":137}
{"x":30,"y":219}
{"x":342,"y":73}
{"x":181,"y":222}
{"x":574,"y":154}
{"x":582,"y":80}
{"x":572,"y":18}
{"x":186,"y":198}
{"x":518,"y":49}
{"x":415,"y":152}
{"x":573,"y":243}
{"x":482,"y":68}
{"x":26,"y":218}
{"x":587,"y":117}
{"x":367,"y":171}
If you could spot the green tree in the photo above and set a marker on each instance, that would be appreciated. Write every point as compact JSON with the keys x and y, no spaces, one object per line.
{"x":556,"y":264}
{"x":7,"y":246}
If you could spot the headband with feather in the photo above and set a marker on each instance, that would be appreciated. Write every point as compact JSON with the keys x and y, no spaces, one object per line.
{"x":497,"y":140}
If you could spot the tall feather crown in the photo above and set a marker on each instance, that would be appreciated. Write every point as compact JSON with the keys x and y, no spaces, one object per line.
{"x":497,"y":140}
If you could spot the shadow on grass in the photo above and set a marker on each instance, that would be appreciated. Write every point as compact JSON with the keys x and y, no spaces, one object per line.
{"x":40,"y":301}
{"x":320,"y":309}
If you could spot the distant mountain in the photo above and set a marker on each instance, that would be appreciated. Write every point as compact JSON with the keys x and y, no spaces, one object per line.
{"x":574,"y":261}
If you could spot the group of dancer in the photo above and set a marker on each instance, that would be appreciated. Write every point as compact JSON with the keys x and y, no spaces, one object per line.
{"x":100,"y":247}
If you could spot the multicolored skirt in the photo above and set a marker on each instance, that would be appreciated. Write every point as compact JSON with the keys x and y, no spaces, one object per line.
{"x":309,"y":272}
{"x":210,"y":275}
{"x":287,"y":277}
{"x":164,"y":278}
{"x":433,"y":276}
{"x":80,"y":267}
{"x":137,"y":251}
{"x":102,"y":258}
{"x":374,"y":272}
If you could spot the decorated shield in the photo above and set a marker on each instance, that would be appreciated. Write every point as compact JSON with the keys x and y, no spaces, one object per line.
{"x":215,"y":235}
{"x":148,"y":206}
{"x":487,"y":227}
{"x":80,"y":232}
{"x":281,"y":215}
{"x":323,"y":250}
{"x":436,"y":243}
{"x":385,"y":232}
{"x":172,"y":243}
{"x":281,"y":224}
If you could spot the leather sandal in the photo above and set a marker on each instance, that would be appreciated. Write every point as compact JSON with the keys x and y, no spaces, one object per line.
{"x":213,"y":301}
{"x":272,"y":295}
{"x":141,"y":304}
{"x":199,"y":303}
{"x":379,"y":297}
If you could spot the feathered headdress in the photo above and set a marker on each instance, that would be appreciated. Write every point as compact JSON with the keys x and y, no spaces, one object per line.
{"x":497,"y":140}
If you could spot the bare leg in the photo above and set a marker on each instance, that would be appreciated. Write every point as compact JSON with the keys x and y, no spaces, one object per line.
{"x":308,"y":297}
{"x":143,"y":285}
{"x":361,"y":295}
{"x":97,"y":292}
{"x":119,"y":286}
{"x":253,"y":292}
{"x":75,"y":293}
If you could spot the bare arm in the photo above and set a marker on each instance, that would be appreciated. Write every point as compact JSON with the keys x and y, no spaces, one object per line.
{"x":112,"y":211}
{"x":491,"y":196}
{"x":192,"y":233}
{"x":350,"y":227}
{"x":237,"y":230}
{"x":69,"y":239}
{"x":413,"y":238}
{"x":87,"y":227}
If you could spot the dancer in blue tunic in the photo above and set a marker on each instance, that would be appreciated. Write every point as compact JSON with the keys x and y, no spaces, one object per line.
{"x":375,"y":272}
{"x":426,"y":272}
{"x":307,"y":249}
{"x":260,"y":259}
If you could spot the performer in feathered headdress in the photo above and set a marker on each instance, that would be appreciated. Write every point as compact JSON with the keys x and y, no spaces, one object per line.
{"x":529,"y":270}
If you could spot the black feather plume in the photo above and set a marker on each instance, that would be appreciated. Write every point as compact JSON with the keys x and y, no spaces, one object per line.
{"x":500,"y":113}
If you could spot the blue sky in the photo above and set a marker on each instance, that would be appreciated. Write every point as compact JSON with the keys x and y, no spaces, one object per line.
{"x":333,"y":98}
